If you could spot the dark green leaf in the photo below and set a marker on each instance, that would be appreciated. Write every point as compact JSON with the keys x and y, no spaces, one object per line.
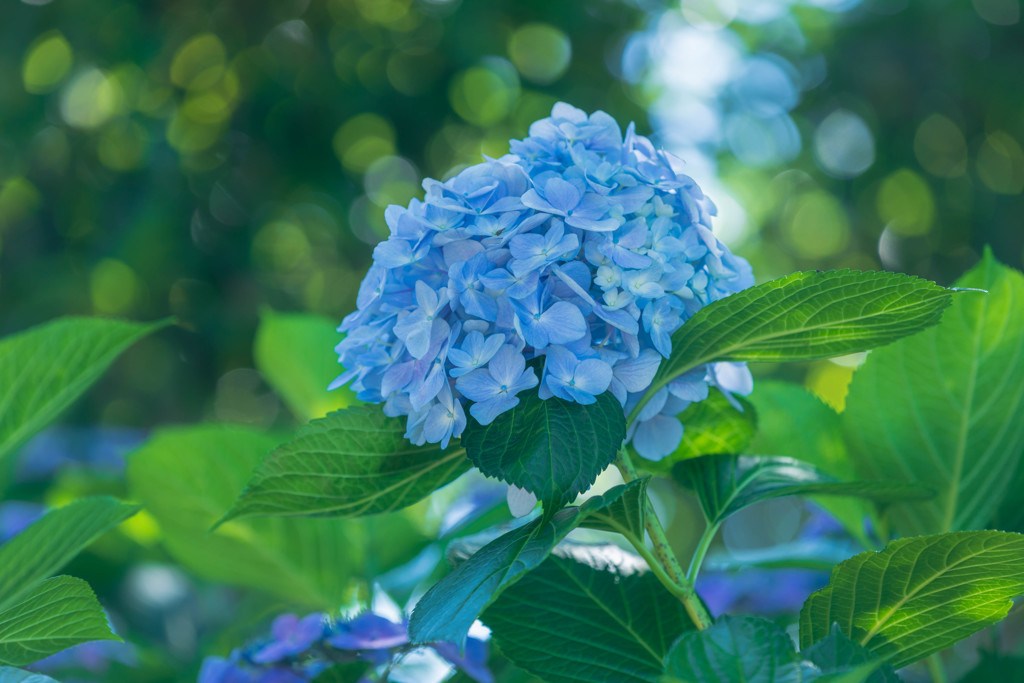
{"x":187,"y":477}
{"x":624,"y":510}
{"x":736,"y":650}
{"x":349,"y":672}
{"x":792,"y":421}
{"x":353,"y":462}
{"x":295,"y":354}
{"x":919,"y":595}
{"x":725,"y":484}
{"x":586,"y":616}
{"x":552,"y":448}
{"x":42,"y":549}
{"x":804,"y":316}
{"x":54,"y":615}
{"x":835,"y":653}
{"x":945,"y":408}
{"x":993,"y":668}
{"x":44,"y":369}
{"x":449,"y":608}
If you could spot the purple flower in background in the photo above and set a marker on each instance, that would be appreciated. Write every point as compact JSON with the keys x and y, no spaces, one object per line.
{"x":583,"y":246}
{"x":291,"y":636}
{"x":473,"y":662}
{"x":368,"y":631}
{"x":16,"y":515}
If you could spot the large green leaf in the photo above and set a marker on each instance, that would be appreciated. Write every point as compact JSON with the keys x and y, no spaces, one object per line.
{"x":804,"y":316}
{"x":352,"y":462}
{"x":588,"y":617}
{"x":43,"y":548}
{"x":835,"y":652}
{"x":945,"y":408}
{"x":54,"y":615}
{"x":44,"y":369}
{"x":552,"y":448}
{"x":449,"y":608}
{"x":792,"y":421}
{"x":187,"y":477}
{"x":9,"y":675}
{"x":736,"y":649}
{"x":725,"y":484}
{"x":919,"y":595}
{"x":295,"y":354}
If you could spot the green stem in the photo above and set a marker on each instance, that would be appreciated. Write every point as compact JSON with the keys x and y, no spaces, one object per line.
{"x":702,"y":550}
{"x":935,"y":667}
{"x":662,"y":560}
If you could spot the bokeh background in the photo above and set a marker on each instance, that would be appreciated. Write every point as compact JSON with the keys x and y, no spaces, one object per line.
{"x":212,"y":160}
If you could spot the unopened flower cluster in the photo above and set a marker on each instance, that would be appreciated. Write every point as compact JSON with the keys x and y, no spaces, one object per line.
{"x":583,"y":245}
{"x":301,"y":649}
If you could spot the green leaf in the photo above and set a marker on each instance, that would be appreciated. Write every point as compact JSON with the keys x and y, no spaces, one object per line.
{"x":9,"y":675}
{"x":725,"y":484}
{"x":792,"y":421}
{"x":349,"y":672}
{"x":624,"y":510}
{"x":56,"y":614}
{"x":352,"y":462}
{"x":43,"y":548}
{"x":295,"y":354}
{"x":805,"y":316}
{"x":993,"y":668}
{"x":945,"y":408}
{"x":586,"y":616}
{"x":449,"y":608}
{"x":835,"y":653}
{"x":736,"y":650}
{"x":187,"y":477}
{"x":552,"y":448}
{"x":919,"y":595}
{"x":44,"y":369}
{"x":712,"y":426}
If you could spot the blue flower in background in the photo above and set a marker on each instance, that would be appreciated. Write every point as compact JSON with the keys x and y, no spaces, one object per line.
{"x":583,"y":246}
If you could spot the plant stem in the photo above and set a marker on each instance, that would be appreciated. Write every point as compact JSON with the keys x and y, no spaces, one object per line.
{"x":702,"y":549}
{"x":935,"y":667}
{"x":668,"y":569}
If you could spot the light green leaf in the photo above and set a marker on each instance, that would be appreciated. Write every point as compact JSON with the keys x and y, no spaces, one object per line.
{"x":9,"y":675}
{"x":449,"y":608}
{"x":945,"y":408}
{"x":349,"y":672}
{"x":44,"y":369}
{"x":712,"y":426}
{"x":919,"y":595}
{"x":584,"y":616}
{"x":792,"y":421}
{"x":725,"y":484}
{"x":805,"y":316}
{"x":352,"y":462}
{"x":187,"y":477}
{"x":54,"y":615}
{"x":295,"y":354}
{"x":43,"y":548}
{"x":736,"y":650}
{"x":837,"y":654}
{"x":552,"y":448}
{"x":624,"y":510}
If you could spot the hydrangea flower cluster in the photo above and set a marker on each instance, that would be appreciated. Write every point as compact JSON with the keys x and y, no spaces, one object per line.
{"x":582,"y":245}
{"x":300,"y":649}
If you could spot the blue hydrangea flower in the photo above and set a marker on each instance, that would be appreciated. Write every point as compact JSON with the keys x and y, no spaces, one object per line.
{"x":585,"y":246}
